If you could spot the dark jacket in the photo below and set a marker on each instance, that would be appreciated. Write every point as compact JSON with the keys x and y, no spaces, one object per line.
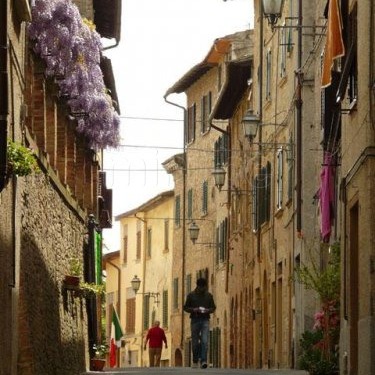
{"x":199,"y":298}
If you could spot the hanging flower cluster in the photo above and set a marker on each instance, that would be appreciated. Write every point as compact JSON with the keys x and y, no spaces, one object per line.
{"x":71,"y":48}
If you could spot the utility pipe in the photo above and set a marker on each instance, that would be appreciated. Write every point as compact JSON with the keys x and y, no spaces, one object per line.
{"x":3,"y":90}
{"x":298,"y":104}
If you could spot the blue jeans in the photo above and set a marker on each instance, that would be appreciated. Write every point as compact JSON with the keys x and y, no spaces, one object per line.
{"x":199,"y":339}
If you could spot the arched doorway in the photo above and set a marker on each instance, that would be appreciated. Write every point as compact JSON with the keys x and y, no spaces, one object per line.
{"x":178,"y":358}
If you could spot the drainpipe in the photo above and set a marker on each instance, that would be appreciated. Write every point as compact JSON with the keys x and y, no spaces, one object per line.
{"x":183,"y":222}
{"x":260,"y":130}
{"x":3,"y":90}
{"x":298,"y":104}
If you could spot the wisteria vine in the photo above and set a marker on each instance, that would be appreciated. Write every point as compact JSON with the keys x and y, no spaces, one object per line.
{"x":71,"y":50}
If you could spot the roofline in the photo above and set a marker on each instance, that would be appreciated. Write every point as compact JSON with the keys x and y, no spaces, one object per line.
{"x":147,"y":205}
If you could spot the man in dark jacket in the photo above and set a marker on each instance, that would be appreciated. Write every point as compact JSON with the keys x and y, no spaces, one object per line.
{"x":200,"y":304}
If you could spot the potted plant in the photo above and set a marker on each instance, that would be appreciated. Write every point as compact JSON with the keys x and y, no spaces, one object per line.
{"x":90,"y":290}
{"x":75,"y":272}
{"x":21,"y":160}
{"x":100,"y":352}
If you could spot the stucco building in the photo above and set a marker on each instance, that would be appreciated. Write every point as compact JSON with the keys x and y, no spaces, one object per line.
{"x":147,"y":247}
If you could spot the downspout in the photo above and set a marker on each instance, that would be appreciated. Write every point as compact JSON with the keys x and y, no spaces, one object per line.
{"x":260,"y":113}
{"x":298,"y":104}
{"x":183,"y":222}
{"x":3,"y":91}
{"x":371,"y":66}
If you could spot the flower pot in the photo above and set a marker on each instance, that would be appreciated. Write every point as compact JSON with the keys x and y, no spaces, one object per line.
{"x":71,"y":281}
{"x":97,"y":364}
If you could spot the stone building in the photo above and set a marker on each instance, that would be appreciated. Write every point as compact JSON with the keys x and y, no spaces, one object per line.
{"x":199,"y":204}
{"x":294,"y":188}
{"x":145,"y":258}
{"x":44,"y":328}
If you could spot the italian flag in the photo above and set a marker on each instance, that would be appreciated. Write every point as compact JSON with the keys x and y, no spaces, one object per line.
{"x":116,"y":334}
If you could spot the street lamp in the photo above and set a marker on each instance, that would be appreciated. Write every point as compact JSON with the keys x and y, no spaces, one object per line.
{"x":219,"y":176}
{"x":193,"y":232}
{"x":136,"y":283}
{"x":272,"y":10}
{"x":250,"y":124}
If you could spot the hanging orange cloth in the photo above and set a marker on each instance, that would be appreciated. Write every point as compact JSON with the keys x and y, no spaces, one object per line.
{"x":334,"y":47}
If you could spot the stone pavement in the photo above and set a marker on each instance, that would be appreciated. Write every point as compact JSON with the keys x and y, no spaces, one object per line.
{"x":190,"y":371}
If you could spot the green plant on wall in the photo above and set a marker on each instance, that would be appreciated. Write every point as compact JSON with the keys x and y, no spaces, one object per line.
{"x":319,"y":346}
{"x":21,"y":160}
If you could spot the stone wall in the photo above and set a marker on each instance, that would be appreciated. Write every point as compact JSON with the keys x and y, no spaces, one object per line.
{"x":52,"y":323}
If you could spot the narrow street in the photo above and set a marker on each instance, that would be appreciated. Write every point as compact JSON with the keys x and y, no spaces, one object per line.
{"x":191,"y":371}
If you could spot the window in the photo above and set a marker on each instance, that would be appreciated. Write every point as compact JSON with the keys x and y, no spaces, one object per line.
{"x":283,"y":49}
{"x":262,"y":197}
{"x":221,"y":150}
{"x":279,"y":192}
{"x":353,"y":73}
{"x":165,"y":309}
{"x":139,"y":240}
{"x":190,"y":204}
{"x":177,"y":209}
{"x":191,"y":121}
{"x":149,"y":242}
{"x":205,"y":112}
{"x":175,"y":293}
{"x":146,"y":312}
{"x":221,"y":242}
{"x":290,"y":171}
{"x":205,"y":197}
{"x":268,"y":74}
{"x":130,"y":315}
{"x":125,"y":245}
{"x":166,"y":235}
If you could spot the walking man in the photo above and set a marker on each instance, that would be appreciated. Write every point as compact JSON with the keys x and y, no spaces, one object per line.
{"x":155,"y":337}
{"x":200,"y":304}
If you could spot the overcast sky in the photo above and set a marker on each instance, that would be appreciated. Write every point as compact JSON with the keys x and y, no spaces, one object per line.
{"x":161,"y":40}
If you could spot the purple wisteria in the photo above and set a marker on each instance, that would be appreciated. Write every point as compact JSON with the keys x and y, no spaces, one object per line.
{"x":71,"y":50}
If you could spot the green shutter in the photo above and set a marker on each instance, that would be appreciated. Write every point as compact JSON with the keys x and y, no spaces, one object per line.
{"x":98,"y":257}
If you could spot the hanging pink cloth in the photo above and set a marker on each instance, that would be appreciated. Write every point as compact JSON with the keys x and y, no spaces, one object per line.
{"x":326,"y":196}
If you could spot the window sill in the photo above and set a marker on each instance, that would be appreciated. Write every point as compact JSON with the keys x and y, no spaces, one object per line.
{"x":279,"y":212}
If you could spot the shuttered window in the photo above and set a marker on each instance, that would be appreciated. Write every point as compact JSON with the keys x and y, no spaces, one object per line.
{"x":177,"y":211}
{"x":190,"y":204}
{"x":146,"y":312}
{"x":191,"y":123}
{"x":130,"y":315}
{"x":279,"y":191}
{"x":166,"y":235}
{"x":175,"y":293}
{"x":149,"y":242}
{"x":205,"y":112}
{"x":205,"y":197}
{"x":165,"y":309}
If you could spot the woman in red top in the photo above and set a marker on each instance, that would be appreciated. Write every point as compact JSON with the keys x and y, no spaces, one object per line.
{"x":155,"y":337}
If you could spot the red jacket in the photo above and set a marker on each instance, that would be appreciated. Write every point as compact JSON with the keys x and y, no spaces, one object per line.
{"x":156,"y":336}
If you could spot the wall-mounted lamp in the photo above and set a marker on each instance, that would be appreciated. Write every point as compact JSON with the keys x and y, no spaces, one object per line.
{"x":136,"y":283}
{"x":219,"y":175}
{"x":272,"y":10}
{"x":250,"y":123}
{"x":194,"y":233}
